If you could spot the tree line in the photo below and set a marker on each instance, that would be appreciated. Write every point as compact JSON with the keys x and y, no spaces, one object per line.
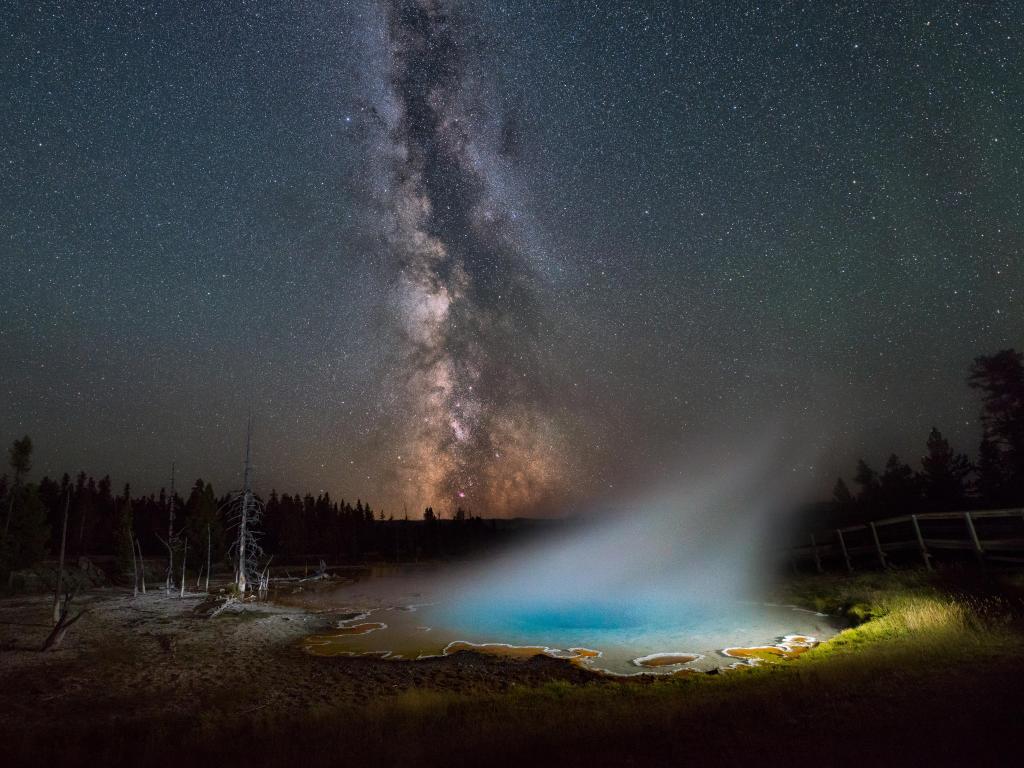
{"x":945,"y":479}
{"x":104,"y":523}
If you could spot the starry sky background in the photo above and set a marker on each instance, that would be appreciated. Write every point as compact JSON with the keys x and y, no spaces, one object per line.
{"x":715,"y":218}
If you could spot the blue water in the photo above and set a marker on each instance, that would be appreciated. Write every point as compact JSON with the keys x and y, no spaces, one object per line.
{"x":622,"y":631}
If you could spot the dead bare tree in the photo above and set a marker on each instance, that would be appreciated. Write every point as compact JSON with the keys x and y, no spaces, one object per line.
{"x":170,"y":536}
{"x":135,"y":569}
{"x":60,"y":565}
{"x":184,"y":559}
{"x":244,"y":511}
{"x":56,"y":636}
{"x":142,"y":566}
{"x":208,"y":561}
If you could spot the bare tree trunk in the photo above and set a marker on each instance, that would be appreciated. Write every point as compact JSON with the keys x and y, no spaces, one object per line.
{"x":60,"y":566}
{"x":170,"y":536}
{"x":135,"y":570}
{"x":169,"y":578}
{"x":243,"y":517}
{"x":208,"y":563}
{"x":242,"y":543}
{"x":184,"y":558}
{"x":170,"y":568}
{"x":142,"y":566}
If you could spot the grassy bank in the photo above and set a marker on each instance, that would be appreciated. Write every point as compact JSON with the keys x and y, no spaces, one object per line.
{"x":930,"y":672}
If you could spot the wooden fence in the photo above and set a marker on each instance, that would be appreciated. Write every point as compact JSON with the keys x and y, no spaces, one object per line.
{"x":988,"y":535}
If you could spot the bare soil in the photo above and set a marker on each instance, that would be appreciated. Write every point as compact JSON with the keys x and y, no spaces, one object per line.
{"x":141,"y":657}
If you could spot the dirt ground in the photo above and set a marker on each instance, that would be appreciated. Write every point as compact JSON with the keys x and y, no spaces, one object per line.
{"x":143,"y":656}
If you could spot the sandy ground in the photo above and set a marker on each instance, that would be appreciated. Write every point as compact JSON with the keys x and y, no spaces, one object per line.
{"x":135,"y":658}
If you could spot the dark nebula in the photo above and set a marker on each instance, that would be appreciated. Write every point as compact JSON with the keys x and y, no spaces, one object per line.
{"x":465,"y":295}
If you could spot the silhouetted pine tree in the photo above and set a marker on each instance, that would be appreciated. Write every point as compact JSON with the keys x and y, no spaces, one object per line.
{"x":867,"y":480}
{"x":25,"y":544}
{"x":945,"y":475}
{"x":842,"y":499}
{"x":25,"y":531}
{"x":201,"y":518}
{"x":990,"y":487}
{"x":1000,"y":379}
{"x":898,"y":488}
{"x":19,"y":459}
{"x":125,"y":527}
{"x":105,"y":517}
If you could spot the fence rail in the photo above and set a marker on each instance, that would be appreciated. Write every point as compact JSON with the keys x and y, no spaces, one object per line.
{"x":990,"y":534}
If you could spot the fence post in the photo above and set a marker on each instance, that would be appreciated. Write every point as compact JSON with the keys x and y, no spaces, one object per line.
{"x":878,"y":546}
{"x":974,"y":537}
{"x":846,"y":555}
{"x":920,"y":543}
{"x":817,"y":558}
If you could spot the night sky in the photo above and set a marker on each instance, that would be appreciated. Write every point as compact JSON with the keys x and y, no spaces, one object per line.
{"x":512,"y":256}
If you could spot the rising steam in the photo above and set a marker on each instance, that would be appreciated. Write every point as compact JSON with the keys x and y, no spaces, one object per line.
{"x":694,"y":545}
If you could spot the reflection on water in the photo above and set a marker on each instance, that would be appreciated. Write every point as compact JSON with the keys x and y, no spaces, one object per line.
{"x":399,"y":619}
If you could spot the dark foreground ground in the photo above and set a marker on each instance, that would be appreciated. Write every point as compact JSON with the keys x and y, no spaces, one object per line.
{"x":933,"y":674}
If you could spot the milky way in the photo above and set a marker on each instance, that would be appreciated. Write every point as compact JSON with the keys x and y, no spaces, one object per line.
{"x":532,"y":252}
{"x":473,"y":429}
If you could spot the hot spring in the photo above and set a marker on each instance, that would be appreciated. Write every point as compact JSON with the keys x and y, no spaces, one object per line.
{"x":393,"y":617}
{"x":662,"y":581}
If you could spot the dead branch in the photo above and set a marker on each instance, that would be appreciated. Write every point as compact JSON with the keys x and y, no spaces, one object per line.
{"x":227,"y":604}
{"x":56,"y":636}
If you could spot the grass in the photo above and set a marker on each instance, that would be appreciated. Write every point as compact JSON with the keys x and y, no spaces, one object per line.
{"x":949,"y":615}
{"x":929,"y":671}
